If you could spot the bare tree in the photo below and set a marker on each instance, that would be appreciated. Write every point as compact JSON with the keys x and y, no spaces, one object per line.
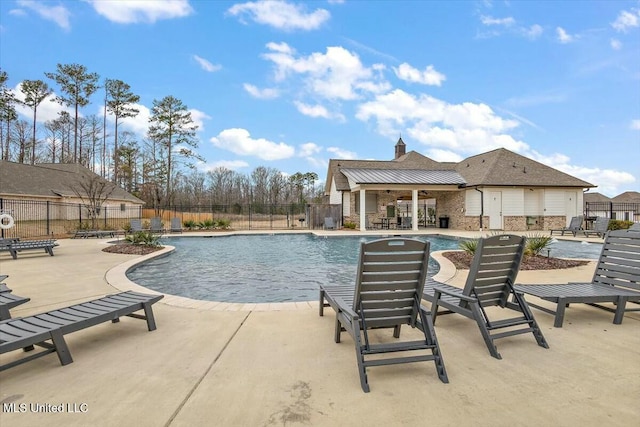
{"x":119,"y":103}
{"x":35,"y":91}
{"x":8,"y":115}
{"x":93,"y":191}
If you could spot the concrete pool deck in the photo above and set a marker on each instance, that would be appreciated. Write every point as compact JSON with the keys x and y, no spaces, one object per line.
{"x":278,"y":365}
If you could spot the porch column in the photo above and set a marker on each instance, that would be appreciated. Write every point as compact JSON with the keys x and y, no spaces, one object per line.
{"x":414,"y":210}
{"x":363,"y":210}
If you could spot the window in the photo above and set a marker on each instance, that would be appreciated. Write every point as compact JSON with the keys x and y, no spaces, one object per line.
{"x":122,"y":207}
{"x":371,"y":202}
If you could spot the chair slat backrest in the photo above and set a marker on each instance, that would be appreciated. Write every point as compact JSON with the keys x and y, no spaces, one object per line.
{"x":619,"y":262}
{"x":176,"y":223}
{"x":576,"y":222}
{"x":495,"y":265}
{"x":156,"y":223}
{"x":601,"y":225}
{"x":390,"y":280}
{"x":136,"y":225}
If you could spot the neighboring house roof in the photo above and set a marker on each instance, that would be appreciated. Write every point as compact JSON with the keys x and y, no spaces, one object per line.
{"x":53,"y":180}
{"x":499,"y":167}
{"x":595,"y":197}
{"x":627,"y":197}
{"x":401,"y":176}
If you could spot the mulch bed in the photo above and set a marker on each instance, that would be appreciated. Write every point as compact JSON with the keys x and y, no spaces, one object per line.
{"x":462,"y":261}
{"x":129,"y":249}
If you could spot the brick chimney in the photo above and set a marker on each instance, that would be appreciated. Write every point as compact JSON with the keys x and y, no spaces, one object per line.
{"x":401,"y":148}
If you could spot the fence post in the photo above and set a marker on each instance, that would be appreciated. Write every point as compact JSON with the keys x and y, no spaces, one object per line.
{"x":2,"y":210}
{"x":48,"y":217}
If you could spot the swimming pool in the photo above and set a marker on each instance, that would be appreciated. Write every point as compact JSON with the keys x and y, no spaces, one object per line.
{"x":275,"y":268}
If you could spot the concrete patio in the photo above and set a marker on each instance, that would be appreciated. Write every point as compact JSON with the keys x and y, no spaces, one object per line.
{"x":276,"y":364}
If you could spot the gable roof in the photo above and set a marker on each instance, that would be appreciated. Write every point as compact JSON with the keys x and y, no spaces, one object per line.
{"x":502,"y":167}
{"x":499,"y":167}
{"x":52,"y":180}
{"x":627,"y":197}
{"x":593,"y":197}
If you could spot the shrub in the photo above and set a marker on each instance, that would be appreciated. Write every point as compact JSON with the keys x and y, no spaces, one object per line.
{"x":349,"y":224}
{"x":619,"y":224}
{"x":207,"y":224}
{"x":223,"y":223}
{"x":537,"y":243}
{"x":190,"y":224}
{"x":146,"y":238}
{"x":469,"y":246}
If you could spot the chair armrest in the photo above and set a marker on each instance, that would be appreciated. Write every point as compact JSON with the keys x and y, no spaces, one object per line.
{"x":346,"y":309}
{"x":454,"y":294}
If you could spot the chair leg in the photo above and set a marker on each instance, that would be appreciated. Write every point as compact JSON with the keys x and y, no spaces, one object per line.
{"x":61,"y":347}
{"x":620,"y":307}
{"x":362,"y":371}
{"x":537,"y":333}
{"x":560,"y":309}
{"x":338,"y":330}
{"x":148,"y":313}
{"x":434,"y":306}
{"x":482,"y":325}
{"x":432,"y":340}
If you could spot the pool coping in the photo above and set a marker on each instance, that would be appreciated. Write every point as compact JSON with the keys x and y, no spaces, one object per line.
{"x":117,"y":277}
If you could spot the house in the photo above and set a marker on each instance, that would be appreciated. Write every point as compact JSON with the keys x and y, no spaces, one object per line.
{"x":496,"y":190}
{"x":56,"y":190}
{"x":625,"y":206}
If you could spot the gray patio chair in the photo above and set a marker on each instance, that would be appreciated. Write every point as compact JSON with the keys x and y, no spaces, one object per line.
{"x":616,"y":280}
{"x":387,"y":294}
{"x":600,"y":227}
{"x":156,"y":225}
{"x":575,"y":225}
{"x":634,"y":227}
{"x":24,"y":333}
{"x":493,"y":271}
{"x":16,"y":245}
{"x":9,"y":300}
{"x":136,"y":225}
{"x":176,"y":225}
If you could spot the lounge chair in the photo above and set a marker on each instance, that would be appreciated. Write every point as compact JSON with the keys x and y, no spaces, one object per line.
{"x":8,"y":299}
{"x":616,"y":280}
{"x":493,"y":271}
{"x":600,"y":227}
{"x":136,"y":225}
{"x":156,"y":225}
{"x":387,"y":294}
{"x":176,"y":225}
{"x":13,"y":246}
{"x":329,"y":223}
{"x":575,"y":225}
{"x":52,"y":326}
{"x":634,"y":227}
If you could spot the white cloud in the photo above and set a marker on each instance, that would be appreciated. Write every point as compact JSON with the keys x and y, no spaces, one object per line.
{"x":429,"y":76}
{"x":227,"y":164}
{"x":239,"y":141}
{"x":308,"y":149}
{"x":337,"y":74}
{"x":266,"y":93}
{"x":533,"y":32}
{"x":280,"y":14}
{"x":206,"y":65}
{"x":136,"y":11}
{"x":466,"y":127}
{"x":616,"y":44}
{"x":58,"y":14}
{"x":138,"y":124}
{"x":563,"y":36}
{"x":340,"y":153}
{"x":627,"y":20}
{"x":635,"y":124}
{"x":317,"y":111}
{"x":489,"y":20}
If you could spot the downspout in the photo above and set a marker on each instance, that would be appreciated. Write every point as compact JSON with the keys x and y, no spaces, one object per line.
{"x":481,"y":205}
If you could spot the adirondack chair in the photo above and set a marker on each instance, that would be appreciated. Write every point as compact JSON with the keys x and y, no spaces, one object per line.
{"x":616,"y":280}
{"x":176,"y":225}
{"x":600,"y":227}
{"x":387,"y":294}
{"x":575,"y":225}
{"x":136,"y":225}
{"x":493,"y":271}
{"x":329,"y":223}
{"x":156,"y":225}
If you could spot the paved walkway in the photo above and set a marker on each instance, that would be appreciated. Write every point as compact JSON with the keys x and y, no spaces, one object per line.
{"x":278,"y":365}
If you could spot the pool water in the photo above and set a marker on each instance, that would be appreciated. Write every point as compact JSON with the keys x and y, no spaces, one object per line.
{"x":274,"y":268}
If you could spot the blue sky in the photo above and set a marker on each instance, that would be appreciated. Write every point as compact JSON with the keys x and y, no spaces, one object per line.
{"x":290,"y":85}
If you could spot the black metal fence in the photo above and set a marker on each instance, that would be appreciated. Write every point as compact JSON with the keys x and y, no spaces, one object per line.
{"x":37,"y":219}
{"x":613,"y":210}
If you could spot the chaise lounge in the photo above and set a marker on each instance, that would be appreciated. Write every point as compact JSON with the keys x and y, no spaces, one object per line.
{"x":13,"y":246}
{"x":24,"y":333}
{"x":575,"y":225}
{"x":616,"y":280}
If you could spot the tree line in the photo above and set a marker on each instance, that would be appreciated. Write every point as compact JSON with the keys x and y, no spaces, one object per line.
{"x":159,"y":168}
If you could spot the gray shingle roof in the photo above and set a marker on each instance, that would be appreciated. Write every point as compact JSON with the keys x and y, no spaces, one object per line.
{"x":50,"y":180}
{"x":402,"y":176}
